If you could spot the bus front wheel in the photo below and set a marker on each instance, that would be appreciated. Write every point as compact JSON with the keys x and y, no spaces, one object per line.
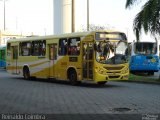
{"x":150,"y":73}
{"x":26,"y":73}
{"x":102,"y":83}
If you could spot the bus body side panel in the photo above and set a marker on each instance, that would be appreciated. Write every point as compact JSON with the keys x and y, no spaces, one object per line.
{"x":38,"y":67}
{"x":64,"y":63}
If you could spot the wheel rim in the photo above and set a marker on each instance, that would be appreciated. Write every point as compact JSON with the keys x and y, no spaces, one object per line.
{"x":26,"y":74}
{"x":73,"y":78}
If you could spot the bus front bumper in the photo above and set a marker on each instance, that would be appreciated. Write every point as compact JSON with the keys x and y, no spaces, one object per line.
{"x":112,"y":76}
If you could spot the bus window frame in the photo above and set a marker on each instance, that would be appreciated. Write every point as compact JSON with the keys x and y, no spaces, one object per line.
{"x":75,"y":49}
{"x":41,"y":48}
{"x":64,"y":47}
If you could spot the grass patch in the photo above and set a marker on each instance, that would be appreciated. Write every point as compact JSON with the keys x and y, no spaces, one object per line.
{"x":143,"y":78}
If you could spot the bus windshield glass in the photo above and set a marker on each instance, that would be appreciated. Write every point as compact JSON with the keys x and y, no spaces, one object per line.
{"x":111,"y":52}
{"x":110,"y":36}
{"x":145,"y":48}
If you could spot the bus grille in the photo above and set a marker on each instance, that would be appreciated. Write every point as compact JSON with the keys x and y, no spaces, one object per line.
{"x":117,"y":76}
{"x":114,"y":72}
{"x":114,"y":68}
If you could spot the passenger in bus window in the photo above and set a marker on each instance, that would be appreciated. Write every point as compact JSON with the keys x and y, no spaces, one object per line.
{"x":73,"y":50}
{"x":78,"y":48}
{"x":43,"y":49}
{"x":63,"y":47}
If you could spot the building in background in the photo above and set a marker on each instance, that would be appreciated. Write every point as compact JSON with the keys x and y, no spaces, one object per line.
{"x":62,"y":16}
{"x":6,"y":35}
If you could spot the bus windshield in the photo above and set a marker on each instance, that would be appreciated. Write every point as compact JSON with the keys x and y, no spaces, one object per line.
{"x":111,"y":52}
{"x":145,"y":48}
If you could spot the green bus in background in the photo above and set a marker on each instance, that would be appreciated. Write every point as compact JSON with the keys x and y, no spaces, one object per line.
{"x":2,"y":56}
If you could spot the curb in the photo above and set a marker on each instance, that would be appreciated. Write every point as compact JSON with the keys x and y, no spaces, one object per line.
{"x":141,"y":82}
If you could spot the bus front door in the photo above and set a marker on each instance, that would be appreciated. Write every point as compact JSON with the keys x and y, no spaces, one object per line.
{"x":14,"y":59}
{"x":52,"y":60}
{"x":87,"y":60}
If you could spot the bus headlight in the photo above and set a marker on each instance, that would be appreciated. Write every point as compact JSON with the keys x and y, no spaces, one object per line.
{"x":125,"y":71}
{"x":101,"y":71}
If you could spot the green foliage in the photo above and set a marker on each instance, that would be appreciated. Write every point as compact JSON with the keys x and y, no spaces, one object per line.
{"x":142,"y":78}
{"x":148,"y":19}
{"x":93,"y":27}
{"x":130,"y":3}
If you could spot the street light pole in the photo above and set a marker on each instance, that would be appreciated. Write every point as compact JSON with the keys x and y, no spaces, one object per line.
{"x":73,"y":15}
{"x":87,"y":15}
{"x":4,"y":12}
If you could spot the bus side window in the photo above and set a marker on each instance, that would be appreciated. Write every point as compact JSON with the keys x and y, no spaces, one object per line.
{"x":25,"y":49}
{"x":3,"y":54}
{"x":35,"y":48}
{"x":43,"y":48}
{"x":8,"y":46}
{"x":74,"y":46}
{"x":20,"y":49}
{"x":62,"y":46}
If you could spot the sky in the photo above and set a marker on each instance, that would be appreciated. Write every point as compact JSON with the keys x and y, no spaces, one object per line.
{"x":36,"y":16}
{"x":28,"y":16}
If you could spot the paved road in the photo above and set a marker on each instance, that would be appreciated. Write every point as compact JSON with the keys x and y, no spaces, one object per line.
{"x":51,"y":97}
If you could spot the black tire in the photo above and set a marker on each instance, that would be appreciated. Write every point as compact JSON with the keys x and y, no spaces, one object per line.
{"x":73,"y":77}
{"x":26,"y":73}
{"x":102,"y":83}
{"x":150,"y":73}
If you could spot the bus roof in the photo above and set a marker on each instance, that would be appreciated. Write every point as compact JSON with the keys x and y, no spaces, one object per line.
{"x":50,"y":37}
{"x":76,"y":34}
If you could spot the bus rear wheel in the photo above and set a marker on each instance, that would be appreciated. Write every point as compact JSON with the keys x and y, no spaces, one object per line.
{"x":73,"y":77}
{"x":26,"y":73}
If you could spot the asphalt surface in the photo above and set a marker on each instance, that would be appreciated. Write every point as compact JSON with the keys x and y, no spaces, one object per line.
{"x":60,"y":100}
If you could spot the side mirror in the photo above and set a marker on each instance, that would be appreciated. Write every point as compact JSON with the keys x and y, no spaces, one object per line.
{"x":95,"y":46}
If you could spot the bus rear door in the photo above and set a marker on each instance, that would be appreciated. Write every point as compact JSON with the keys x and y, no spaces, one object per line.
{"x":52,"y":59}
{"x":14,"y":59}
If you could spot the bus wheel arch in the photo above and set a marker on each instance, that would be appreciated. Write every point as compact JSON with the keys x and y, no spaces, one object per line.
{"x":72,"y":76}
{"x":26,"y":72}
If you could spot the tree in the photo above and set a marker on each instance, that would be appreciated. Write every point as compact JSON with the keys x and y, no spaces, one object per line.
{"x":148,"y":19}
{"x":93,"y":27}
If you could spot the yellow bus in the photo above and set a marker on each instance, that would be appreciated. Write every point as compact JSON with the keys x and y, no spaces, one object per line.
{"x":97,"y":56}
